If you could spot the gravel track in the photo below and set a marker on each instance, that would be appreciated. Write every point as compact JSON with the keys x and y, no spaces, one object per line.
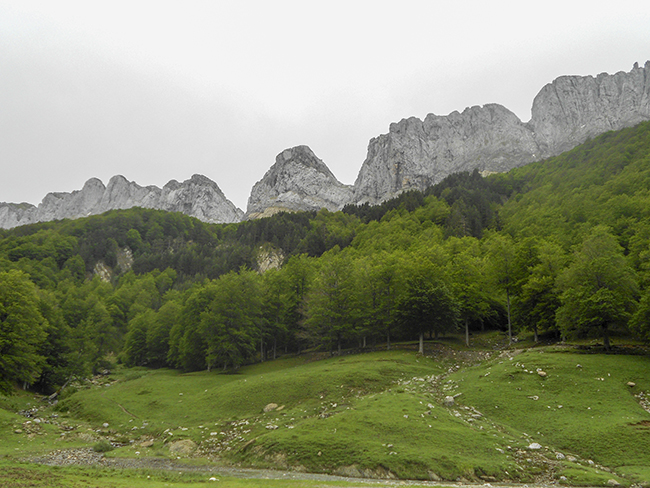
{"x":87,"y":457}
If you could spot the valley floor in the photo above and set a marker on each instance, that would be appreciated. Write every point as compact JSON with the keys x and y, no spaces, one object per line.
{"x":486,"y":415}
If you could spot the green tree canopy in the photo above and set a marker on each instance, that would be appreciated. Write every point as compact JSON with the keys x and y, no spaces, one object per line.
{"x":598,"y":289}
{"x":22,"y":330}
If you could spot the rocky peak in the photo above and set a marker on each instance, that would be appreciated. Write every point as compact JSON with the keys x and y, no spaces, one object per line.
{"x":572,"y":109}
{"x":415,"y":154}
{"x":199,"y":197}
{"x":297,"y":181}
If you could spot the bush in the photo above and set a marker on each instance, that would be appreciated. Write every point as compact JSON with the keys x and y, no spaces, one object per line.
{"x":103,"y":446}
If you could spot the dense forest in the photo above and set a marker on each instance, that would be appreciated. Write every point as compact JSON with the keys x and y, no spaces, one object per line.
{"x":560,"y":247}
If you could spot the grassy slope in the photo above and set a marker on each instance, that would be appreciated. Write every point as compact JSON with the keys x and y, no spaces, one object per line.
{"x":582,"y":407}
{"x":380,"y":414}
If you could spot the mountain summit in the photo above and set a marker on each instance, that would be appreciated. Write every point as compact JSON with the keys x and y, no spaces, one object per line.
{"x":198,"y":197}
{"x":414,"y":154}
{"x":297,"y":181}
{"x":417,"y":153}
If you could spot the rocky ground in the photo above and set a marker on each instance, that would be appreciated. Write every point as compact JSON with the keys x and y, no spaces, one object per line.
{"x":87,"y":457}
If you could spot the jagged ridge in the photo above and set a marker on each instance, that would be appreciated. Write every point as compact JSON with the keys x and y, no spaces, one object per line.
{"x":415,"y":154}
{"x":198,"y":197}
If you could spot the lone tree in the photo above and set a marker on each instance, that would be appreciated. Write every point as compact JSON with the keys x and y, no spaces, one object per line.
{"x":425,"y":306}
{"x":598,"y":289}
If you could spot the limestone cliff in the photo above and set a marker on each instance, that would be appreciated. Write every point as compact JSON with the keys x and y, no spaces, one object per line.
{"x":198,"y":197}
{"x":565,"y":113}
{"x":297,"y":181}
{"x":414,"y":154}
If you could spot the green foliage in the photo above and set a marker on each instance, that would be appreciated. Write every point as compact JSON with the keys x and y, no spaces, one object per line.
{"x":231,"y":321}
{"x":598,"y":288}
{"x":427,"y":305}
{"x":103,"y":446}
{"x":495,"y":249}
{"x":22,"y":330}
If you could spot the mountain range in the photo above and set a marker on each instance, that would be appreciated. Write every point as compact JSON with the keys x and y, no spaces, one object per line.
{"x":414,"y":154}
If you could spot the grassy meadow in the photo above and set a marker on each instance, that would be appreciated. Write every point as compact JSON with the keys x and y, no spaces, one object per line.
{"x":379,"y":414}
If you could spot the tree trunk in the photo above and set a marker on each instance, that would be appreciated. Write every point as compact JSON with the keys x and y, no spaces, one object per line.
{"x":364,"y":342}
{"x":275,"y":347}
{"x":421,"y":350}
{"x":466,"y":332}
{"x":388,"y":340}
{"x":535,"y":332}
{"x":509,"y":322}
{"x":606,"y":338}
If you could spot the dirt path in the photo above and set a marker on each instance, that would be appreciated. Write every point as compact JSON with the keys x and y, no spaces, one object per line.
{"x":87,"y":457}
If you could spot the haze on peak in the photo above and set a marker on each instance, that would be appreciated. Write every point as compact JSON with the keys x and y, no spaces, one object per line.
{"x":162,"y":91}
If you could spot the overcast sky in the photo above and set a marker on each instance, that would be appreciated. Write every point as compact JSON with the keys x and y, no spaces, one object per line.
{"x":161,"y":90}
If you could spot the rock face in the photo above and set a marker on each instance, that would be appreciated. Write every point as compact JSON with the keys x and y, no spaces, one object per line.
{"x":198,"y":197}
{"x":297,"y":181}
{"x":415,"y":154}
{"x":572,"y":109}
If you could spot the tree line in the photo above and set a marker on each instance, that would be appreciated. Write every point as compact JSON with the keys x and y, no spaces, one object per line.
{"x":558,"y":247}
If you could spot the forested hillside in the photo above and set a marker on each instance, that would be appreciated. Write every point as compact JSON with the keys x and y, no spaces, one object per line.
{"x":560,"y":247}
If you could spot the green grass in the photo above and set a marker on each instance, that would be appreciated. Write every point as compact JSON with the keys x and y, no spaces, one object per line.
{"x":13,"y":475}
{"x":377,"y":415}
{"x":582,"y":407}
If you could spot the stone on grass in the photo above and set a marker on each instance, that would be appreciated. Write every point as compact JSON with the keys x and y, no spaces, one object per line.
{"x":535,"y":446}
{"x":270,"y":407}
{"x":184,"y":447}
{"x":449,"y":401}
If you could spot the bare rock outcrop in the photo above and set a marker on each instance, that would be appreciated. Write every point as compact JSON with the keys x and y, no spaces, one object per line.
{"x":297,"y":181}
{"x":415,"y":153}
{"x":572,"y":109}
{"x":198,"y":197}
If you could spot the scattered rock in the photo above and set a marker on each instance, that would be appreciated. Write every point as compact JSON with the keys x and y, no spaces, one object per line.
{"x":631,"y":384}
{"x":434,"y":477}
{"x":613,"y":483}
{"x":559,"y":456}
{"x":449,"y":401}
{"x":542,"y":373}
{"x":148,"y":443}
{"x":184,"y":447}
{"x":270,"y":407}
{"x":535,"y":446}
